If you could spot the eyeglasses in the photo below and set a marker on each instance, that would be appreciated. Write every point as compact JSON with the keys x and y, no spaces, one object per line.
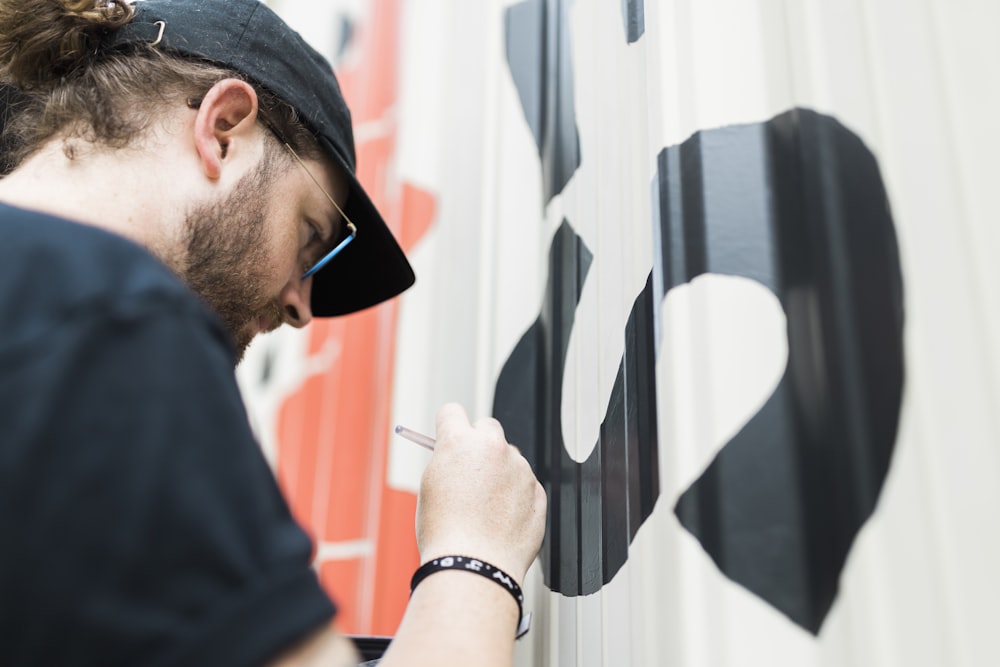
{"x":352,"y":230}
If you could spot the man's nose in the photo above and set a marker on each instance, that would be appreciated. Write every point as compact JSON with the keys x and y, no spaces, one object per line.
{"x":295,"y":298}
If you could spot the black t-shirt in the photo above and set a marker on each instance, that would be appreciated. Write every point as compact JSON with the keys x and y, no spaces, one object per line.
{"x":139,"y":522}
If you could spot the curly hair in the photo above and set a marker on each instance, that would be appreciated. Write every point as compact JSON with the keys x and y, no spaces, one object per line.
{"x":71,"y":86}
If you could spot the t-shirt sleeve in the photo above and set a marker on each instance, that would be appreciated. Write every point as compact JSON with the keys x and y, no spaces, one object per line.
{"x":150,"y":529}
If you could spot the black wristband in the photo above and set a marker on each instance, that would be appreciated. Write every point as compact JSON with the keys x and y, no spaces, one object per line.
{"x":479,"y":567}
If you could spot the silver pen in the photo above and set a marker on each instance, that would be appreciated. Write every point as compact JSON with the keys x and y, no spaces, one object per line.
{"x":419,"y":438}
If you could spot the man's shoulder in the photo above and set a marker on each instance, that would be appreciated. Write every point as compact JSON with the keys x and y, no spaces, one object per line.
{"x":54,"y":270}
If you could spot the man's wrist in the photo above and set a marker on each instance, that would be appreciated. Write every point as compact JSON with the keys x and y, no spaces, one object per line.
{"x":480,"y":567}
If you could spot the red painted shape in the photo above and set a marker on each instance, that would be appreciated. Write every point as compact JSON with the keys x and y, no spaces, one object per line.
{"x":419,"y":208}
{"x":333,"y":432}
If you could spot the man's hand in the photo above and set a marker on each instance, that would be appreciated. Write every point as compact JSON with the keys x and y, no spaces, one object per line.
{"x":479,"y":497}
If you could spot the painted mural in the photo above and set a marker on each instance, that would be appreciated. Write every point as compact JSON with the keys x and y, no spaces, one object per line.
{"x":722,"y":270}
{"x":796,"y":204}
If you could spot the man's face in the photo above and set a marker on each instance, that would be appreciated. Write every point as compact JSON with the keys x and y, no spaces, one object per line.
{"x":246,"y":252}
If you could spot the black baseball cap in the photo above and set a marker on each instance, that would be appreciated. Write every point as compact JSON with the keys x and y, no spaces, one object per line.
{"x":247,"y":36}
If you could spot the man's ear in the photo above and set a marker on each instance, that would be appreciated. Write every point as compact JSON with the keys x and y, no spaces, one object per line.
{"x":227,"y":113}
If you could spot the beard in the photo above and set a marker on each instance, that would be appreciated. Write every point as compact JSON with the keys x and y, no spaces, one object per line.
{"x":226,"y":244}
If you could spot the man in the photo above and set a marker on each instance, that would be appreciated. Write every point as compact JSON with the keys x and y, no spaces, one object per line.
{"x":162,"y":151}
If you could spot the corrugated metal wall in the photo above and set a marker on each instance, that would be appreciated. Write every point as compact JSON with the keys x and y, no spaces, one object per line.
{"x":725,"y":271}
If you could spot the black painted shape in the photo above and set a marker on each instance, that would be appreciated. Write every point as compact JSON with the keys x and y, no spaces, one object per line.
{"x":796,"y":204}
{"x":346,"y":32}
{"x":595,"y":507}
{"x":540,"y":58}
{"x":781,"y":504}
{"x":634,"y":17}
{"x":267,"y":367}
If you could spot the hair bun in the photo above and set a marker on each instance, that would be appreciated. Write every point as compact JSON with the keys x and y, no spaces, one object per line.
{"x":42,"y":41}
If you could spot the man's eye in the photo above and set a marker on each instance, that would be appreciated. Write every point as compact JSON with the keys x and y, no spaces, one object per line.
{"x":315,"y":234}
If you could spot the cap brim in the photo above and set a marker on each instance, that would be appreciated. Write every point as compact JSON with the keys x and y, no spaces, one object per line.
{"x":371,"y":269}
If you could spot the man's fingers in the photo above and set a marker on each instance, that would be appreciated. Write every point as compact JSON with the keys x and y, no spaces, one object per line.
{"x":491,"y":426}
{"x":451,"y":418}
